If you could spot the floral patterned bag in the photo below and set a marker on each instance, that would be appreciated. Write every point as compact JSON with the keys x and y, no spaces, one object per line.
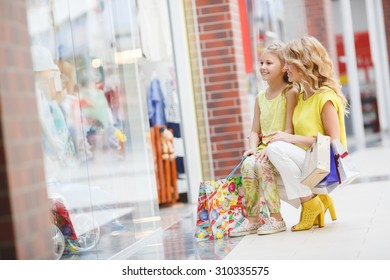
{"x":221,"y":207}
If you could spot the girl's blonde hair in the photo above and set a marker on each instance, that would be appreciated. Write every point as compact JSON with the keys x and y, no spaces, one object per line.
{"x":277,"y":48}
{"x":314,"y":64}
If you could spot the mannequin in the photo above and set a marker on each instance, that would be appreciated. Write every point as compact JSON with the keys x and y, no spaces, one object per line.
{"x":56,"y":137}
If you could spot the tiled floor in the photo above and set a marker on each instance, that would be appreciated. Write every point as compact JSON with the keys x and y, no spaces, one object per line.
{"x":360,"y":232}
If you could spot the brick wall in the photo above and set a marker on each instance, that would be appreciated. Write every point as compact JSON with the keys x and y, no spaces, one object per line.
{"x":24,"y":209}
{"x":386,"y":15}
{"x":224,"y":81}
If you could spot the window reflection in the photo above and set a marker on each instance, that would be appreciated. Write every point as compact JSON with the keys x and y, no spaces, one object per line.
{"x":92,"y":109}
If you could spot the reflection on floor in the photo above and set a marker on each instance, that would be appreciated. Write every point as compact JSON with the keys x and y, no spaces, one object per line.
{"x":173,"y":241}
{"x":178,"y":243}
{"x":115,"y":235}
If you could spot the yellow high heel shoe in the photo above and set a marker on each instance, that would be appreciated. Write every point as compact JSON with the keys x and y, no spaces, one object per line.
{"x":311,"y":210}
{"x":328,"y":204}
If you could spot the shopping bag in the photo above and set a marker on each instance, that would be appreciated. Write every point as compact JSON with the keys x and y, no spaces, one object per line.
{"x":345,"y":166}
{"x":221,"y":207}
{"x":203,"y":229}
{"x":331,"y":181}
{"x":317,"y":161}
{"x":225,"y":206}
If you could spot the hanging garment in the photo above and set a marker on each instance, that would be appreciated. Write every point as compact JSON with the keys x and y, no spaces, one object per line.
{"x":154,"y":28}
{"x":172,"y":102}
{"x":156,"y":104}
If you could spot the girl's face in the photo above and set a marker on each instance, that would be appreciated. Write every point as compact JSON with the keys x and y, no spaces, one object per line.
{"x":292,"y":73}
{"x":270,"y":67}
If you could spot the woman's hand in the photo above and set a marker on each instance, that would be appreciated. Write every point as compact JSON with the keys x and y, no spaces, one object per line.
{"x":278,"y":136}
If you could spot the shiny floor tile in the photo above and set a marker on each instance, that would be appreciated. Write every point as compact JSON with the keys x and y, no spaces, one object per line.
{"x":178,"y":243}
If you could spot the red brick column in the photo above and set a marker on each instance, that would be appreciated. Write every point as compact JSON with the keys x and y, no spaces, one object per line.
{"x":319,"y":24}
{"x":224,"y":80}
{"x":24,"y":210}
{"x":386,"y":15}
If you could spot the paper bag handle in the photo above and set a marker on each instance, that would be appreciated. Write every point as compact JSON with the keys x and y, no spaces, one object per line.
{"x":235,"y":168}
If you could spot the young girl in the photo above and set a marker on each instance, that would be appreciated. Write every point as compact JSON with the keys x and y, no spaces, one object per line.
{"x":321,"y":107}
{"x":273,"y":111}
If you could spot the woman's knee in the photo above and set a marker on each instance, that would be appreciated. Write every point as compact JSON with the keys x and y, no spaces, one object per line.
{"x":275,"y":149}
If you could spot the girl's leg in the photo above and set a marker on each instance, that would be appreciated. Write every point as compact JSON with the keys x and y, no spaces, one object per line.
{"x":251,"y":187}
{"x":275,"y":223}
{"x":267,"y":178}
{"x":252,"y":197}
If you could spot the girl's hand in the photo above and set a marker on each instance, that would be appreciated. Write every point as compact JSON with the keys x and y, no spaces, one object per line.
{"x":279,"y":136}
{"x":249,"y":152}
{"x":262,"y":156}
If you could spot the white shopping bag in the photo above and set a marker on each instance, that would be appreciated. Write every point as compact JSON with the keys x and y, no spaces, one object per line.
{"x":346,"y":168}
{"x":317,"y":161}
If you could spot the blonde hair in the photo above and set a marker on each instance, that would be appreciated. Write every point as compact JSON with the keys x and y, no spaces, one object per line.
{"x":277,"y":48}
{"x":314,"y":64}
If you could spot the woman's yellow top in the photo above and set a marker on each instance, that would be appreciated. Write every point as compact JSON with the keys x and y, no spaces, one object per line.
{"x":272,"y":113}
{"x":307,"y":114}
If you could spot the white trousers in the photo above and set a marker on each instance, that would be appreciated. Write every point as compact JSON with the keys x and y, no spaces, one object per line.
{"x":288,"y":160}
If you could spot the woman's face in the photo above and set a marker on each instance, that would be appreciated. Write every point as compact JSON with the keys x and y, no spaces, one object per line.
{"x":292,"y":73}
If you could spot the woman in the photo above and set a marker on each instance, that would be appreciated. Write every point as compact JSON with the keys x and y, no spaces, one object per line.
{"x":321,"y":108}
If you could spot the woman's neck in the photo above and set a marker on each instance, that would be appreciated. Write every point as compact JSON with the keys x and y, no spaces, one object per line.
{"x":307,"y":91}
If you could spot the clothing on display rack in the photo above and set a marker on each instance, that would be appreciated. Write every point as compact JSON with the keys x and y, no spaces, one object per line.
{"x":174,"y":120}
{"x":172,"y":102}
{"x":156,"y":104}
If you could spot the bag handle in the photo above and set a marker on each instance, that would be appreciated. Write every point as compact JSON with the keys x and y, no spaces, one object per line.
{"x":235,"y":168}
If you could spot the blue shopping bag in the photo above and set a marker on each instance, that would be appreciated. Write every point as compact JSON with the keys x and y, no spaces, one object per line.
{"x":331,"y":181}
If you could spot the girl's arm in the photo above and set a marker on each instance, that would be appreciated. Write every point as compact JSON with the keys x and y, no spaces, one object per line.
{"x":291,"y":100}
{"x":255,"y":134}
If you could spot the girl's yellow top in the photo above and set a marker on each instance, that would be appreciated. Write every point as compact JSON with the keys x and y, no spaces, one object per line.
{"x":272,"y":113}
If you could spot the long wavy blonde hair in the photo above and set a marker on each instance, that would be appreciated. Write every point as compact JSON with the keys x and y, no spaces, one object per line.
{"x":313,"y":63}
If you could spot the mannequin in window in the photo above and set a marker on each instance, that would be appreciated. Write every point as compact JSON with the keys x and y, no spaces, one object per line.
{"x":57,"y":142}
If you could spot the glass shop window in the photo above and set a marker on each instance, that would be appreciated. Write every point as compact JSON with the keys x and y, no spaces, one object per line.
{"x":94,"y":123}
